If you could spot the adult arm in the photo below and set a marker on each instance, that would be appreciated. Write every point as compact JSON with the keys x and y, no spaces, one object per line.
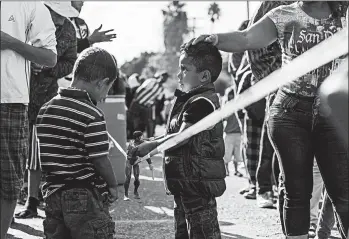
{"x":42,"y":35}
{"x":38,"y":55}
{"x":259,"y":35}
{"x":67,"y":57}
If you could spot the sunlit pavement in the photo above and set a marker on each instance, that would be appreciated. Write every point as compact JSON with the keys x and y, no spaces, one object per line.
{"x":151,"y":217}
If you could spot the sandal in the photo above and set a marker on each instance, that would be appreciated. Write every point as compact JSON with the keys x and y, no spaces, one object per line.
{"x":27,"y":213}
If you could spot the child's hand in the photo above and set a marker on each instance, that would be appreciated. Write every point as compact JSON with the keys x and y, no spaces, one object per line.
{"x":113,"y":194}
{"x":144,"y":148}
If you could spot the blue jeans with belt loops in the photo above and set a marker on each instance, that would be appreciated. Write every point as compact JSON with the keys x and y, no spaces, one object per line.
{"x":299,"y":132}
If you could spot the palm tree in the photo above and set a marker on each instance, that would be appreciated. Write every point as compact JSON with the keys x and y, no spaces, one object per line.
{"x":214,"y":12}
{"x":175,"y":26}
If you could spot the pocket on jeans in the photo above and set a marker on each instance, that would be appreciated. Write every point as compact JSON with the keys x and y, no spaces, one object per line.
{"x":103,"y":228}
{"x":75,"y":201}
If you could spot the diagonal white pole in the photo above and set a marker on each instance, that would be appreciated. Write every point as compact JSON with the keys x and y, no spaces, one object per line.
{"x":117,"y":145}
{"x":324,"y":52}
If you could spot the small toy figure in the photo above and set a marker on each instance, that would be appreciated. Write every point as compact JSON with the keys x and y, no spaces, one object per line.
{"x":130,"y":163}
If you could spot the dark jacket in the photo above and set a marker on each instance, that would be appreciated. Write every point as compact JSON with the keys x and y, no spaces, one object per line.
{"x":82,"y":33}
{"x":197,"y":167}
{"x":44,"y":85}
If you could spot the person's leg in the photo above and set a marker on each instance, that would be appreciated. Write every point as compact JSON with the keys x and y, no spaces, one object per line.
{"x":243,"y":153}
{"x":237,"y":153}
{"x":14,"y":151}
{"x":32,"y":203}
{"x":7,"y":209}
{"x":290,"y":133}
{"x":180,"y":224}
{"x":137,"y":183}
{"x":228,"y":145}
{"x":253,"y":137}
{"x":315,"y":199}
{"x":326,"y":218}
{"x":201,"y":214}
{"x":128,"y":171}
{"x":264,"y":171}
{"x":333,"y":160}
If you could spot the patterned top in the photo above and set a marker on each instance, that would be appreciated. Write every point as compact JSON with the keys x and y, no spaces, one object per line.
{"x":265,"y":60}
{"x":44,"y":86}
{"x":71,"y":132}
{"x":297,"y":33}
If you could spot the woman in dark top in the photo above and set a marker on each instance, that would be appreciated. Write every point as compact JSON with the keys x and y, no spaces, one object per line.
{"x":298,"y":130}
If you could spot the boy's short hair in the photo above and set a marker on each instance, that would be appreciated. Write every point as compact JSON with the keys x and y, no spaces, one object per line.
{"x":137,"y":134}
{"x":204,"y":56}
{"x":95,"y":63}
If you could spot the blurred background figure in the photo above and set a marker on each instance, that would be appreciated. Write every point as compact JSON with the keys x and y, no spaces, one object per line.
{"x":147,"y":104}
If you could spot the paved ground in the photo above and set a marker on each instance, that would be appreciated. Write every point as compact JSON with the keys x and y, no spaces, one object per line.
{"x":152,"y":216}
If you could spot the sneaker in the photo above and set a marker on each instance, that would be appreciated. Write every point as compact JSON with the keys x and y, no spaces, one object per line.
{"x":312,"y":231}
{"x":265,"y":200}
{"x":126,"y":198}
{"x":250,"y":194}
{"x":244,"y":190}
{"x":30,"y":210}
{"x":238,"y":174}
{"x":137,"y":195}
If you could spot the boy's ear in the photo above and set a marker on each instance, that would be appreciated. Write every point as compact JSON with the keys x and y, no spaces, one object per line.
{"x":103,"y":82}
{"x":205,"y":76}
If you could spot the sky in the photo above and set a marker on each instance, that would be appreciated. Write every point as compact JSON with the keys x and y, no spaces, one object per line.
{"x":138,"y":24}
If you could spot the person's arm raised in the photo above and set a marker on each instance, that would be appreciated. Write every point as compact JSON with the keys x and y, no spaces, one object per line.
{"x":259,"y":35}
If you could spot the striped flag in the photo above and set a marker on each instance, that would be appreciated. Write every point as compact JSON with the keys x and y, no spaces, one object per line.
{"x":148,"y":92}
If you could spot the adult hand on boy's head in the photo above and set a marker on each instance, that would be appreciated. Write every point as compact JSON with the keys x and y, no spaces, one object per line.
{"x":113,"y":194}
{"x":201,"y":38}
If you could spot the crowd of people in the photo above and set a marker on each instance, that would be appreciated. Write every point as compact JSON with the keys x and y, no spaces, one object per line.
{"x":288,"y":143}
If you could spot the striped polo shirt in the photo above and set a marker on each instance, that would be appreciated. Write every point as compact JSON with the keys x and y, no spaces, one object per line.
{"x":148,"y":92}
{"x":71,"y":131}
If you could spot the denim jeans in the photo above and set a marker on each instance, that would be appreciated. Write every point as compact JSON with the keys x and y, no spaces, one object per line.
{"x":196,"y":218}
{"x":78,"y":213}
{"x":298,"y":133}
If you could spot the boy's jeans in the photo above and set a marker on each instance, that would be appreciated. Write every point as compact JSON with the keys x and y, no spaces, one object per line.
{"x":201,"y":216}
{"x":77,"y":213}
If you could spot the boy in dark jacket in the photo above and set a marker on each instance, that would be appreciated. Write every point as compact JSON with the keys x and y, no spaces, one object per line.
{"x":130,"y":164}
{"x":194,"y":170}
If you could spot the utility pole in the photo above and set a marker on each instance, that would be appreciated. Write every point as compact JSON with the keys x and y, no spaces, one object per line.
{"x":192,"y":28}
{"x":248,"y":9}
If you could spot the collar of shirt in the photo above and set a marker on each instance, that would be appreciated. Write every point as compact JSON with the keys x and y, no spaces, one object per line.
{"x":76,"y":94}
{"x":197,"y":90}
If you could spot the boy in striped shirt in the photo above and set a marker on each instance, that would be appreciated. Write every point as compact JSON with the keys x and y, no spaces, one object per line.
{"x":73,"y":148}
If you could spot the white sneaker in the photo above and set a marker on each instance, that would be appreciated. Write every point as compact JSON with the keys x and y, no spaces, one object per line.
{"x":265,"y":200}
{"x":126,"y":198}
